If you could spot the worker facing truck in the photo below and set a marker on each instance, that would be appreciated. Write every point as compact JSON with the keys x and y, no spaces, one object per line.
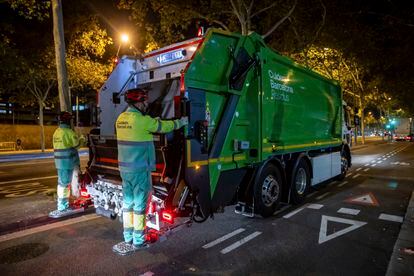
{"x":136,"y":160}
{"x":65,"y":144}
{"x":262,"y":129}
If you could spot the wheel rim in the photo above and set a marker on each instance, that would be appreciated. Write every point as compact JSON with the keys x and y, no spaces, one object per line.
{"x":344,"y":165}
{"x":300,"y":181}
{"x":270,"y":191}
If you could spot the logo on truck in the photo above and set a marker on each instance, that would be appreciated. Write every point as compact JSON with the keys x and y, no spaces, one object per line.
{"x":280,"y":91}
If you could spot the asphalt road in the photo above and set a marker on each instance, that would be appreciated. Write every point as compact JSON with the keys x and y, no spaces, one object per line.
{"x":345,"y":228}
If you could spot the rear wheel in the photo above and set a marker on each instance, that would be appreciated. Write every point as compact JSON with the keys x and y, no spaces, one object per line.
{"x":268,"y":191}
{"x":300,"y":181}
{"x":344,"y":165}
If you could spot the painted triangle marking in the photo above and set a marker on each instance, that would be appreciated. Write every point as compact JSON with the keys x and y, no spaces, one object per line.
{"x":365,"y":199}
{"x":323,"y":237}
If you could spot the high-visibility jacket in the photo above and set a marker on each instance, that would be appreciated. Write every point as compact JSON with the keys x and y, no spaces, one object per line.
{"x":134,"y":130}
{"x":65,"y":144}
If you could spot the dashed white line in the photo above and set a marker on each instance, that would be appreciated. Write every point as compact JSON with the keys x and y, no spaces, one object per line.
{"x":240,"y":242}
{"x":294,"y":212}
{"x":349,"y":211}
{"x":225,"y":237}
{"x":367,"y":169}
{"x":366,"y":165}
{"x":349,"y":174}
{"x":355,"y":176}
{"x":323,"y":195}
{"x":373,"y":165}
{"x":315,"y":206}
{"x":391,"y":218}
{"x":358,"y":169}
{"x":379,"y":162}
{"x":343,"y":183}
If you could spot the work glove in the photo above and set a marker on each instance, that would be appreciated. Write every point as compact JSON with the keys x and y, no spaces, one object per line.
{"x":183,"y":121}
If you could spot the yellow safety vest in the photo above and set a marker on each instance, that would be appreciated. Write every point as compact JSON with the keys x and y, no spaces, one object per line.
{"x":65,"y":145}
{"x":135,"y":140}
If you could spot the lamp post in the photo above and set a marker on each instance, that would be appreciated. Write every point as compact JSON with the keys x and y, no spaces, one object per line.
{"x":124,"y":39}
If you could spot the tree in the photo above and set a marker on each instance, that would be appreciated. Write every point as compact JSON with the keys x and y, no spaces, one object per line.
{"x":166,"y":21}
{"x":37,"y":82}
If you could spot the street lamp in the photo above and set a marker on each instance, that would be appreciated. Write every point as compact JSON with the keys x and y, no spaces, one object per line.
{"x":124,"y":39}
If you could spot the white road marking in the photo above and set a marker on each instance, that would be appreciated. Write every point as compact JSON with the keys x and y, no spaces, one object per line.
{"x":358,"y":169}
{"x":282,"y":209}
{"x":240,"y":242}
{"x":383,"y":159}
{"x":373,"y":165}
{"x":323,"y":195}
{"x":343,"y":183}
{"x":294,"y":212}
{"x":366,"y":165}
{"x":349,"y":211}
{"x":323,"y":237}
{"x":47,"y":227}
{"x":28,"y":179}
{"x":379,"y":162}
{"x":373,"y":161}
{"x":349,"y":174}
{"x":315,"y":206}
{"x":355,"y":176}
{"x":225,"y":237}
{"x":391,"y":218}
{"x":148,"y":273}
{"x":367,"y":169}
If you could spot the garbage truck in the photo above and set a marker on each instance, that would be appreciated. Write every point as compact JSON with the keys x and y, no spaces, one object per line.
{"x":263,"y":130}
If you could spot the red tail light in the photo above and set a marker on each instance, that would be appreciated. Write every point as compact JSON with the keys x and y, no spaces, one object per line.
{"x":167,"y":217}
{"x":84,"y":193}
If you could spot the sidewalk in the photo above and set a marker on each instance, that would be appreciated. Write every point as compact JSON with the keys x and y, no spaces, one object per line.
{"x":402,"y":259}
{"x":9,"y":156}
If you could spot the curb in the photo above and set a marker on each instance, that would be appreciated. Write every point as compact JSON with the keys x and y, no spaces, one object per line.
{"x":31,"y":156}
{"x":402,"y":258}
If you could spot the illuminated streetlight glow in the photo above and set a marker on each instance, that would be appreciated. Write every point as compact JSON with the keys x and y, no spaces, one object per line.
{"x":124,"y":38}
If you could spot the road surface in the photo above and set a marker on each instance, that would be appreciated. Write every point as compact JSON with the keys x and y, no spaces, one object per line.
{"x":345,"y":228}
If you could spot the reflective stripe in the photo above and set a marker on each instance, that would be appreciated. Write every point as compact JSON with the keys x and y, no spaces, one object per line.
{"x":128,"y":220}
{"x":159,"y":126}
{"x":63,"y":150}
{"x":134,"y":165}
{"x":65,"y":157}
{"x":139,"y":222}
{"x":62,"y":192}
{"x":134,"y":143}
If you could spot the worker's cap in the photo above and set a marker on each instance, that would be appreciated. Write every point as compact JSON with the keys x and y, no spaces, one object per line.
{"x":136,"y":95}
{"x":65,"y":117}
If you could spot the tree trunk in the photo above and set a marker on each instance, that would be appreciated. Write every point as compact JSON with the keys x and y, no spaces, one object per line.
{"x":58,"y":35}
{"x":42,"y":129}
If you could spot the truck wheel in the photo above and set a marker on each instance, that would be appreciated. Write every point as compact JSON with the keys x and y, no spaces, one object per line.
{"x":300,"y":181}
{"x":267,"y":191}
{"x":344,"y":165}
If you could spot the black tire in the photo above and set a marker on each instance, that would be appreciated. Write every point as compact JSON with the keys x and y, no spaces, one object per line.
{"x":300,"y":181}
{"x":344,"y":165}
{"x":268,"y":191}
